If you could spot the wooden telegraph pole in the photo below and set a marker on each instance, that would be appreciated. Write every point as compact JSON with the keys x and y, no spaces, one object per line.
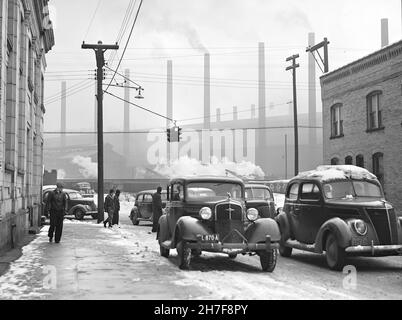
{"x":100,"y":50}
{"x":293,"y":67}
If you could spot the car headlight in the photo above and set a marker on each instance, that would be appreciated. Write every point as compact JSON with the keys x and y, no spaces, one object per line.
{"x":360,"y":227}
{"x":88,"y":208}
{"x":388,"y":206}
{"x":206,"y":213}
{"x":252,"y":214}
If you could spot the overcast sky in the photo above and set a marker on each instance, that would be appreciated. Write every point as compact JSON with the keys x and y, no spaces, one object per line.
{"x":181,"y":30}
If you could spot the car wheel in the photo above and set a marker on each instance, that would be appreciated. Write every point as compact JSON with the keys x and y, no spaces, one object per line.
{"x":285,"y":251}
{"x":164,"y":252}
{"x":79,"y":214}
{"x":196,"y":253}
{"x":134,"y":218}
{"x":184,"y":255}
{"x":268,"y":260}
{"x":334,"y":254}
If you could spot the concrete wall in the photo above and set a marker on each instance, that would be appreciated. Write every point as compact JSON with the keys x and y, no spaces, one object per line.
{"x":350,"y":86}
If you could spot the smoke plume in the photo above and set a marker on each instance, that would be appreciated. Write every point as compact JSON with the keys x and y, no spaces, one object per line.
{"x":88,"y":168}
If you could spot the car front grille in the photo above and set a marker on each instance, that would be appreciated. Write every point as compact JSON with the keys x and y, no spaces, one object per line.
{"x":385,"y":225}
{"x":229,"y":217}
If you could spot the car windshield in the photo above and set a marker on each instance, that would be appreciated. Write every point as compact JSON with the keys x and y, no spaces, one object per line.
{"x":213,"y":191}
{"x":258,"y":194}
{"x":75,"y":195}
{"x":352,"y":189}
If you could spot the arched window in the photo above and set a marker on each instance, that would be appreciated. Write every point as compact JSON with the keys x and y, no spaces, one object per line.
{"x":360,"y":161}
{"x":378,"y":166}
{"x":334,"y":161}
{"x":374,"y":114}
{"x":349,"y":160}
{"x":336,"y":121}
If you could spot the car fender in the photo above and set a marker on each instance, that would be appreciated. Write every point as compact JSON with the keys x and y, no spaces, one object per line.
{"x":284,"y":226}
{"x":339,"y":228}
{"x":188,"y":228}
{"x":163,"y":230}
{"x":260,"y":229}
{"x":78,"y":206}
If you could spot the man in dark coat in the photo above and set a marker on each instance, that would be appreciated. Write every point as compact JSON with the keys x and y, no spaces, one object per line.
{"x":109,"y":208}
{"x":56,"y":205}
{"x":156,"y":208}
{"x":116,"y":208}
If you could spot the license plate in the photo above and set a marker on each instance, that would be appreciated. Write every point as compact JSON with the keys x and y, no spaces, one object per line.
{"x":210,"y":238}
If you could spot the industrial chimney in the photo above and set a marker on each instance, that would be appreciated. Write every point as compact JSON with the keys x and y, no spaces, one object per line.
{"x":384,"y":33}
{"x":207,"y":91}
{"x":63,"y":113}
{"x":261,"y":140}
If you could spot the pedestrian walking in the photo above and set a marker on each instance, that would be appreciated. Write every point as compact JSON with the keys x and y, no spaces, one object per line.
{"x":156,"y":208}
{"x":56,"y":205}
{"x":116,"y":208}
{"x":109,"y":208}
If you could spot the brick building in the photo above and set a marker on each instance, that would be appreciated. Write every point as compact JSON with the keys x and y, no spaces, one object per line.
{"x":26,"y":35}
{"x":362,"y":117}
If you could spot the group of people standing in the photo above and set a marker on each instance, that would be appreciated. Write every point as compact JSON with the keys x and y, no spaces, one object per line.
{"x":112,"y":207}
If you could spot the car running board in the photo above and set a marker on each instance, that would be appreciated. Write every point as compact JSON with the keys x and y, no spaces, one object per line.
{"x":300,"y":246}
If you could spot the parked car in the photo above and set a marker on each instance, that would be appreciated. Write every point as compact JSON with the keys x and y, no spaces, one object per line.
{"x":142,"y":210}
{"x":342,"y":211}
{"x":260,"y":197}
{"x":209,"y":214}
{"x":77,"y":206}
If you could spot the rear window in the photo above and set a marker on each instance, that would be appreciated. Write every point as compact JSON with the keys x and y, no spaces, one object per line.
{"x":258,"y":194}
{"x":293,"y":192}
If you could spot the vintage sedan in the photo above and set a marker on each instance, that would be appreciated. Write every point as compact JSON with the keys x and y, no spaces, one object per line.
{"x":342,"y":211}
{"x":77,"y":205}
{"x":142,"y":210}
{"x":209,"y":214}
{"x":260,"y":197}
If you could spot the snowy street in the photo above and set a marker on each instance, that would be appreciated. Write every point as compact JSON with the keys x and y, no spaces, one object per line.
{"x":124,"y":263}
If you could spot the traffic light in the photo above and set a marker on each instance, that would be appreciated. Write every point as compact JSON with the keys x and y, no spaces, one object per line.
{"x":179,"y":133}
{"x":168,"y":135}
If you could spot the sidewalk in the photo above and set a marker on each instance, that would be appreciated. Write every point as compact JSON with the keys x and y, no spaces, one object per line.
{"x":92,"y":262}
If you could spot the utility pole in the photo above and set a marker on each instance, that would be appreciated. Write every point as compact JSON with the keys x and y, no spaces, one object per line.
{"x":293,"y":67}
{"x":286,"y":156}
{"x":324,"y":44}
{"x":100,"y":50}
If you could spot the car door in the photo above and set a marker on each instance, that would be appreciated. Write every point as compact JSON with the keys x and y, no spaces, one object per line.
{"x":146,"y":207}
{"x":175,"y":208}
{"x":311,"y":209}
{"x":140,"y":199}
{"x":292,"y":208}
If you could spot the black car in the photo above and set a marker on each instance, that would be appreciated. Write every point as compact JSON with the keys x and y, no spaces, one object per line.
{"x":77,"y":205}
{"x":142,"y":210}
{"x":209,"y":214}
{"x":342,"y":211}
{"x":260,"y":197}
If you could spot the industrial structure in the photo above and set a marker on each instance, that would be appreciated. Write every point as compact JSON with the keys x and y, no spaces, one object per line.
{"x":26,"y":35}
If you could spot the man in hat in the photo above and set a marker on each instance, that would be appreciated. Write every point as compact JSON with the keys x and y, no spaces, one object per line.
{"x":156,"y":208}
{"x":56,"y":205}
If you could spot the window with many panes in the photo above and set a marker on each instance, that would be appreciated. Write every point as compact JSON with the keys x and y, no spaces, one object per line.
{"x":336,"y":121}
{"x":378,"y":166}
{"x":374,"y":113}
{"x":349,"y":160}
{"x":360,"y":161}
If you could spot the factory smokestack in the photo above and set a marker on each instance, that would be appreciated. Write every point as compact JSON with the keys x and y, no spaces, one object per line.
{"x":63,"y":113}
{"x":207,"y":91}
{"x":127,"y":136}
{"x":218,"y":115}
{"x":384,"y":33}
{"x":169,"y":97}
{"x":235,"y":114}
{"x":253,"y":114}
{"x":312,"y":97}
{"x":261,"y":141}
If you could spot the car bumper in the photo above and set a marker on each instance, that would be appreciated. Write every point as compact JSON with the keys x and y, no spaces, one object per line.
{"x":375,"y":250}
{"x":91,"y":213}
{"x":233,"y":247}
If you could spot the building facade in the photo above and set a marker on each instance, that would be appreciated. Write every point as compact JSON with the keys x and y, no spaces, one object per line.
{"x":362,"y":117}
{"x":26,"y":35}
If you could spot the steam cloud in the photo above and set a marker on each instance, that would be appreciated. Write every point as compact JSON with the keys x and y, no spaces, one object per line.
{"x":88,"y":168}
{"x":294,"y":17}
{"x":61,"y":174}
{"x":186,"y":166}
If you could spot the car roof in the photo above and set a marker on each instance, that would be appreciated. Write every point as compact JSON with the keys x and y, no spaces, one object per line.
{"x":257,"y":186}
{"x":149,"y":192}
{"x":65,"y":190}
{"x":209,"y":178}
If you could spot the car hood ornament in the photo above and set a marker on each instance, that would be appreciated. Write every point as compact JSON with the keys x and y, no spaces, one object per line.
{"x":229,"y":196}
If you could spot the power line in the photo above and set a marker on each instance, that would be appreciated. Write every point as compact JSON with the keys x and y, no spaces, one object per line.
{"x":121,"y":75}
{"x":128,"y":41}
{"x":93,"y":18}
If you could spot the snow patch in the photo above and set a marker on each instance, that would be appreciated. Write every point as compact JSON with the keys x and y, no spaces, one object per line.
{"x":329,"y":173}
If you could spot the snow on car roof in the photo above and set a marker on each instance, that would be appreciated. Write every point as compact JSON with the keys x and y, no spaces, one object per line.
{"x":328,"y":173}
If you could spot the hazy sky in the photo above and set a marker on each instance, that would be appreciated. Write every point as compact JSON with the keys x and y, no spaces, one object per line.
{"x":181,"y":29}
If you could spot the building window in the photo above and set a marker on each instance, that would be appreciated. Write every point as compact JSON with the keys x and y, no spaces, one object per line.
{"x":334,"y":161}
{"x":378,"y":166}
{"x":349,"y":160}
{"x":360,"y":161}
{"x":336,"y":121}
{"x":374,"y":114}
